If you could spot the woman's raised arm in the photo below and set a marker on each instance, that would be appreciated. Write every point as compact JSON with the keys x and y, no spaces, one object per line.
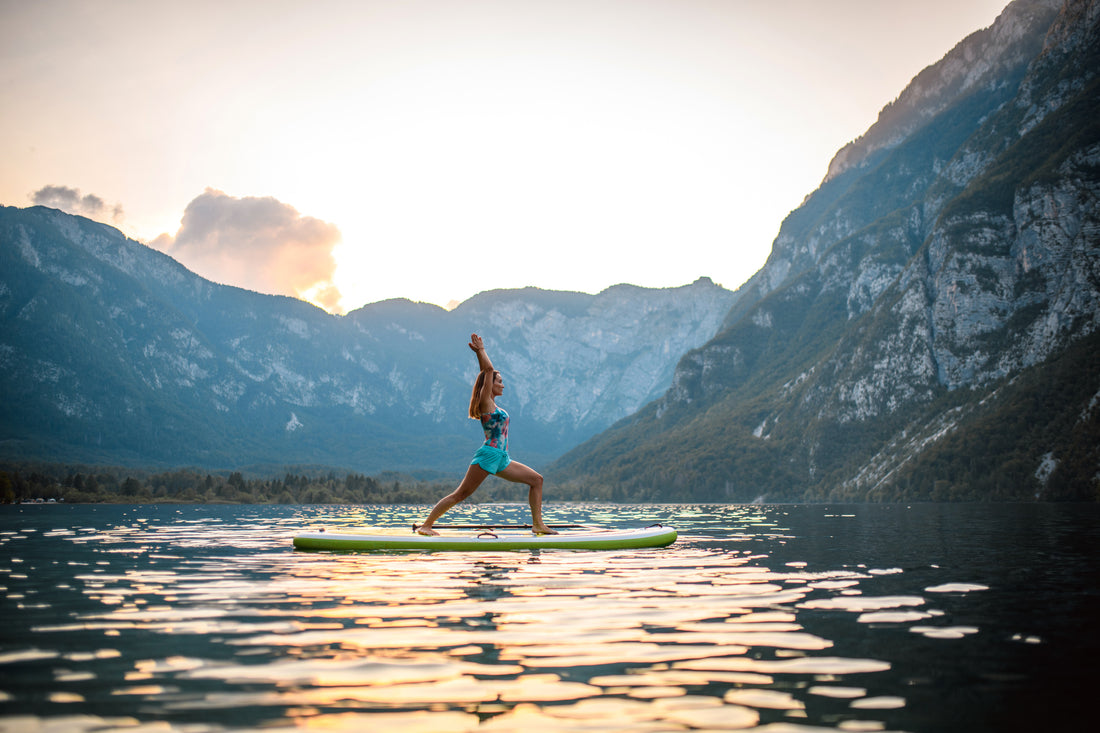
{"x":478,"y":347}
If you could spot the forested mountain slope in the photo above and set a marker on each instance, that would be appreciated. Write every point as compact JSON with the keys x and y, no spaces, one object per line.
{"x":926,"y":324}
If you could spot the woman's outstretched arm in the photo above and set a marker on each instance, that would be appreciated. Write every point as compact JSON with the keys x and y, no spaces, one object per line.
{"x":484,"y":397}
{"x":478,"y":347}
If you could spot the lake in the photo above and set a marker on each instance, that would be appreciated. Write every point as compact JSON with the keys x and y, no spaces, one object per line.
{"x":777,"y":618}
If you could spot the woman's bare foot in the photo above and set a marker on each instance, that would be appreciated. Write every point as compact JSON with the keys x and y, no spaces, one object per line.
{"x":427,"y":532}
{"x":543,"y":529}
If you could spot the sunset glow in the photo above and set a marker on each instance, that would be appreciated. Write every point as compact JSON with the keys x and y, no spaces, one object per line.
{"x":456,"y":147}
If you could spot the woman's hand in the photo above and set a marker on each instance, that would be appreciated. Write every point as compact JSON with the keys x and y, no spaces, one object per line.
{"x":476,"y":344}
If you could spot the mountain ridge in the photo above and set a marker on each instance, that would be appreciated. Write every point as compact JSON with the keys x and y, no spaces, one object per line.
{"x":114,"y":352}
{"x":906,"y":291}
{"x":924,"y":328}
{"x":989,"y":51}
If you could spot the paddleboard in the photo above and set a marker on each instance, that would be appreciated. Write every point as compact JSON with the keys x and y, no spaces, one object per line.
{"x":485,"y":540}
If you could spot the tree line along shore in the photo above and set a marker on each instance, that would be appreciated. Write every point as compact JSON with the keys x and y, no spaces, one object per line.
{"x":55,"y":483}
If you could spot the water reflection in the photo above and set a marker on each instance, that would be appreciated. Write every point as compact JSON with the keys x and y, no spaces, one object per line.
{"x":204,"y":619}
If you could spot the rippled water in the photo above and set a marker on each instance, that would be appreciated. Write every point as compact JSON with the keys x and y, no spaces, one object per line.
{"x":782,"y":618}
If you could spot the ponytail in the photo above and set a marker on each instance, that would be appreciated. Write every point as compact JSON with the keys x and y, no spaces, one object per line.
{"x":475,"y":396}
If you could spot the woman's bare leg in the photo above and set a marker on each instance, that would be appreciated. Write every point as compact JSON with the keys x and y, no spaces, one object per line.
{"x":474,"y":476}
{"x":521,"y":474}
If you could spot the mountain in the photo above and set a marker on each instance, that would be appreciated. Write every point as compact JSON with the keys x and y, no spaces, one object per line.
{"x":112,"y":352}
{"x":925,"y":326}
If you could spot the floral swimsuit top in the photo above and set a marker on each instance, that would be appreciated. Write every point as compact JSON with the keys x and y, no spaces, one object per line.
{"x":495,"y":425}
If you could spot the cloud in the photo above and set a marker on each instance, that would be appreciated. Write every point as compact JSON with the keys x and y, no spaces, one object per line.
{"x":257,"y":243}
{"x":71,"y":201}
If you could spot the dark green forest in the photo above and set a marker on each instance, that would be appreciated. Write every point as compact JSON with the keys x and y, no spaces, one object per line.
{"x":81,"y":484}
{"x":47,"y":483}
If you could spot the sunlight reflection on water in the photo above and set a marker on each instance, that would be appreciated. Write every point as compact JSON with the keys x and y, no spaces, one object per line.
{"x":204,"y":618}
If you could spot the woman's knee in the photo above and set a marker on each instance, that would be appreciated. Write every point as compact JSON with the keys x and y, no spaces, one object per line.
{"x":526,"y":475}
{"x":521,"y":474}
{"x":470,"y":483}
{"x":463,"y":492}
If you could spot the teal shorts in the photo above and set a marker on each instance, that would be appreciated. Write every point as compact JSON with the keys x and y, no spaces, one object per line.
{"x":493,"y":460}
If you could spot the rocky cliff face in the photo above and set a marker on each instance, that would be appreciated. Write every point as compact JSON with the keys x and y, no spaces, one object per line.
{"x":581,"y":363}
{"x":949,"y":254}
{"x":111,"y":351}
{"x":984,"y":58}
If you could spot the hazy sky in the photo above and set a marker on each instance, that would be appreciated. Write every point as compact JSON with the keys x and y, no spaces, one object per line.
{"x":432,"y":149}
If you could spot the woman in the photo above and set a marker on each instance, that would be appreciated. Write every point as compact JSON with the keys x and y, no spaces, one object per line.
{"x":492,"y":457}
